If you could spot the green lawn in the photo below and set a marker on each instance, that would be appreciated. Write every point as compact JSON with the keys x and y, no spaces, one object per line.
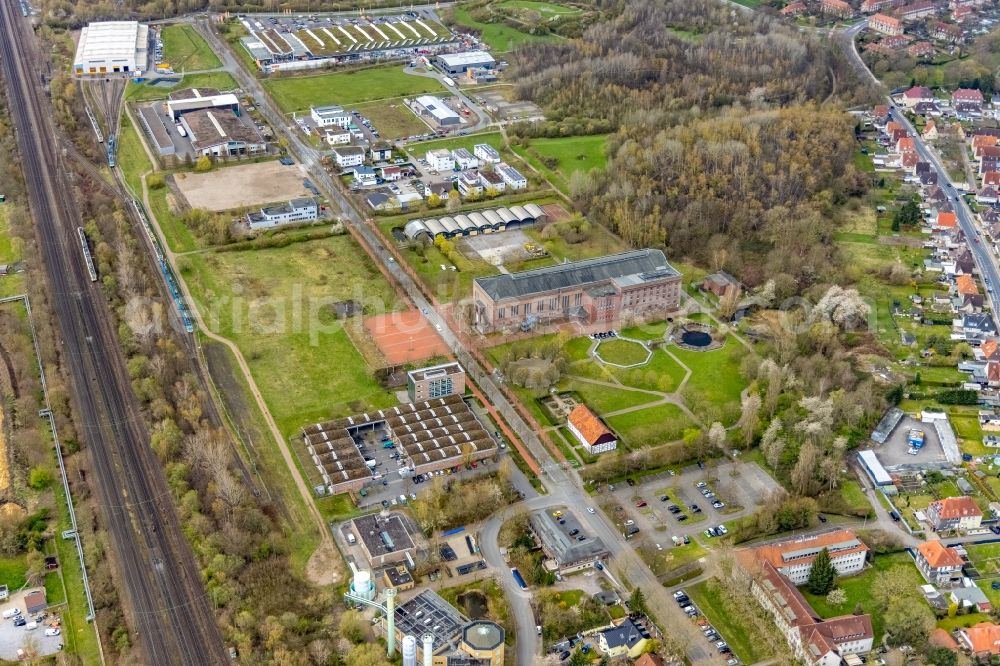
{"x":544,"y":8}
{"x":986,"y":557}
{"x":728,"y":619}
{"x":392,"y":119}
{"x":670,"y":557}
{"x":652,"y":331}
{"x":622,"y":352}
{"x":13,"y":572}
{"x":10,"y":252}
{"x":662,"y":373}
{"x":858,"y":589}
{"x":603,"y":399}
{"x":138,"y":92}
{"x":178,"y":235}
{"x":298,"y":93}
{"x":854,"y":496}
{"x":715,"y":382}
{"x":574,"y":153}
{"x":276,"y":305}
{"x":132,"y":158}
{"x":498,"y":36}
{"x":651,"y":426}
{"x":185,"y":50}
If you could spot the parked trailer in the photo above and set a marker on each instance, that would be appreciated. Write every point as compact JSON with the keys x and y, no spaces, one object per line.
{"x":88,"y":259}
{"x":520,"y":579}
{"x":448,"y":81}
{"x":181,"y":130}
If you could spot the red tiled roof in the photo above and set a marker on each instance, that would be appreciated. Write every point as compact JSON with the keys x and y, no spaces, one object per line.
{"x":947,"y":219}
{"x":984,"y":637}
{"x":965,"y":285}
{"x":967,"y":95}
{"x":588,"y":425}
{"x":938,"y":555}
{"x":649,"y":659}
{"x":957,"y":507}
{"x":773,"y":553}
{"x":989,"y":348}
{"x":918,"y":92}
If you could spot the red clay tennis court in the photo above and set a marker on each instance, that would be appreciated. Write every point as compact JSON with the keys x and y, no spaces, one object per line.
{"x":406,"y":336}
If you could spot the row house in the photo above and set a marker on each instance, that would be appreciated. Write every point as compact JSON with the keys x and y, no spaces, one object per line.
{"x":917,"y":10}
{"x":967,"y":96}
{"x":920,"y":50}
{"x":895,"y":42}
{"x":837,"y":8}
{"x":887,"y":25}
{"x":944,"y":32}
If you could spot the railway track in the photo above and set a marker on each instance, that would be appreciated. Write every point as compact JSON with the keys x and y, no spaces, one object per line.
{"x":164,"y":600}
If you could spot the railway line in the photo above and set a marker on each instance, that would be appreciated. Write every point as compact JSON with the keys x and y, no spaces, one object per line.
{"x":164,"y":600}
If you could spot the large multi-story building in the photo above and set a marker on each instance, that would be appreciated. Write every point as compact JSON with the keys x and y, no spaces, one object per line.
{"x":296,"y":210}
{"x":111,"y":47}
{"x":887,"y":25}
{"x":329,"y":116}
{"x":592,"y":291}
{"x":939,"y":564}
{"x":794,"y":559}
{"x":436,"y":381}
{"x":954,"y":513}
{"x":814,"y":641}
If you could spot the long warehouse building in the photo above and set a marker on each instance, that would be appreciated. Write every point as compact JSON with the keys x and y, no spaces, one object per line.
{"x":112,"y":47}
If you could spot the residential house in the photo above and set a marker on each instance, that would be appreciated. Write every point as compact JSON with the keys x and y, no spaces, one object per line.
{"x":887,"y":25}
{"x":469,"y":185}
{"x":970,"y":598}
{"x":944,"y":32}
{"x":907,"y":144}
{"x":964,"y":263}
{"x":991,"y":152}
{"x":441,"y":190}
{"x":928,"y":179}
{"x":992,"y":178}
{"x":989,"y":350}
{"x":895,"y":42}
{"x":871,"y":6}
{"x":939,"y":564}
{"x":34,"y":601}
{"x":917,"y":10}
{"x":959,"y":14}
{"x":988,"y":195}
{"x":651,"y":659}
{"x":588,"y":428}
{"x":486,"y":153}
{"x":946,"y":220}
{"x":392,"y":173}
{"x":511,"y":176}
{"x":966,"y":284}
{"x":967,"y":96}
{"x":440,"y":160}
{"x":909,"y":162}
{"x":337,"y":137}
{"x":382,"y":201}
{"x":916,"y":94}
{"x":492,"y":180}
{"x":365,"y":175}
{"x":989,"y":164}
{"x":954,"y":513}
{"x":837,"y":8}
{"x":793,"y":9}
{"x":381,"y":152}
{"x":926,"y":109}
{"x":978,"y":326}
{"x":464,"y":159}
{"x":921,"y":50}
{"x":349,"y":156}
{"x":880,"y":114}
{"x":626,"y":639}
{"x":982,"y":640}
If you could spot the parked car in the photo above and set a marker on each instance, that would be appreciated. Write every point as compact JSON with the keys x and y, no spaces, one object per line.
{"x":52,"y":631}
{"x":19,"y":621}
{"x":11,"y":612}
{"x":718,"y":505}
{"x":641,"y":503}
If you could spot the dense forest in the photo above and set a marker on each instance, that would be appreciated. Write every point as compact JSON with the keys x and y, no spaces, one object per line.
{"x":729,"y":146}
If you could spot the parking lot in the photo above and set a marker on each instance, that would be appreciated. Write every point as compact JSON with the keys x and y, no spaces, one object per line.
{"x":39,"y":635}
{"x":708,"y":631}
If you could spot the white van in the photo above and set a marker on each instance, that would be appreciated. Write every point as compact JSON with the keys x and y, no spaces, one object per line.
{"x":351,"y":539}
{"x":31,"y":625}
{"x":11,"y":612}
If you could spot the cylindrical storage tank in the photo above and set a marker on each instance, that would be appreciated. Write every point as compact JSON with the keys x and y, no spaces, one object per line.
{"x":409,"y":650}
{"x":428,"y":649}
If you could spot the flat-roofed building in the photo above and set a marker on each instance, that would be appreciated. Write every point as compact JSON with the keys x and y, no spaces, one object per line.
{"x":110,"y":47}
{"x":436,"y":381}
{"x":459,"y":63}
{"x":296,"y":210}
{"x":385,"y":539}
{"x":515,"y":179}
{"x":196,"y":99}
{"x":221,"y":133}
{"x":428,"y":613}
{"x":330,"y":116}
{"x":483,"y":639}
{"x":438,"y":110}
{"x":562,"y":542}
{"x":486,"y":153}
{"x":592,"y":291}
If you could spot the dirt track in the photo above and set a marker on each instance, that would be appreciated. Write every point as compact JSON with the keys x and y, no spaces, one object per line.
{"x":228,"y":188}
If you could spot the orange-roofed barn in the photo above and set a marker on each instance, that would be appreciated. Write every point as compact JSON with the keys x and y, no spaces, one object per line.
{"x":591,"y":431}
{"x":939,"y":564}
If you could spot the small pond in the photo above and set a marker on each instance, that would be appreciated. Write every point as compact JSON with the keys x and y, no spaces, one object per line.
{"x":696,"y":338}
{"x":473,"y":603}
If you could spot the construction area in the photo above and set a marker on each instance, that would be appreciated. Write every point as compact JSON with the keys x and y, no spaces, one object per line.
{"x":404,"y":337}
{"x":242,"y":186}
{"x":419,"y":438}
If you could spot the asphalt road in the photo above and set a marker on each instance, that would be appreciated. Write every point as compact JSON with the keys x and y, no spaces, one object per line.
{"x":164,"y":601}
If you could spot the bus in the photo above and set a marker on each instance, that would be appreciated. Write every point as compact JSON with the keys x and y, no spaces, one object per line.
{"x":519,"y":578}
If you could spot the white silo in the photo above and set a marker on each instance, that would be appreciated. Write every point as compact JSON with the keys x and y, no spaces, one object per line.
{"x":362,"y":584}
{"x":428,"y":649}
{"x":409,"y":650}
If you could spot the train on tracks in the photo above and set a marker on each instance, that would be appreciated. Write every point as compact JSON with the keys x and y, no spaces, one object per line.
{"x":88,"y":258}
{"x":175,"y":293}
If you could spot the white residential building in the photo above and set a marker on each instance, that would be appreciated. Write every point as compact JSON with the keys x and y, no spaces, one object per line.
{"x":296,"y":210}
{"x":326,"y":116}
{"x":337,"y":137}
{"x":440,"y":160}
{"x":511,"y":176}
{"x":349,"y":156}
{"x":486,"y":153}
{"x":464,"y":159}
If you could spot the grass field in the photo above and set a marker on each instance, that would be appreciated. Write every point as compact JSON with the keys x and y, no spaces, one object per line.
{"x":728,"y":621}
{"x":544,"y":8}
{"x":604,"y":399}
{"x":858,"y":589}
{"x":622,"y":352}
{"x":185,"y":50}
{"x":670,"y":558}
{"x":275,"y":304}
{"x":986,"y":557}
{"x":392,"y":119}
{"x":650,"y":426}
{"x":138,"y":92}
{"x":10,"y":252}
{"x":298,"y":93}
{"x":574,"y":153}
{"x":498,"y":36}
{"x":715,"y":376}
{"x":132,"y":159}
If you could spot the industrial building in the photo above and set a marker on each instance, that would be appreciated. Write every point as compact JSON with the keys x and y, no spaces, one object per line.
{"x":436,"y":381}
{"x":111,"y":47}
{"x":592,"y":291}
{"x":454,"y":64}
{"x":427,"y":614}
{"x":221,"y":133}
{"x":476,"y":222}
{"x":873,"y":467}
{"x":564,"y":543}
{"x":296,"y":210}
{"x":483,"y":640}
{"x":197,"y":99}
{"x":438,"y":110}
{"x":429,"y":435}
{"x":384,"y":539}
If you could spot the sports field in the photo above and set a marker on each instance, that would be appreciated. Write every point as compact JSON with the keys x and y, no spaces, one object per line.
{"x":278,"y":306}
{"x":298,"y":93}
{"x":185,"y":50}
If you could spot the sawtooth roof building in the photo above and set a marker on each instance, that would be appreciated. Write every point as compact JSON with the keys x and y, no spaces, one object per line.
{"x":589,"y":292}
